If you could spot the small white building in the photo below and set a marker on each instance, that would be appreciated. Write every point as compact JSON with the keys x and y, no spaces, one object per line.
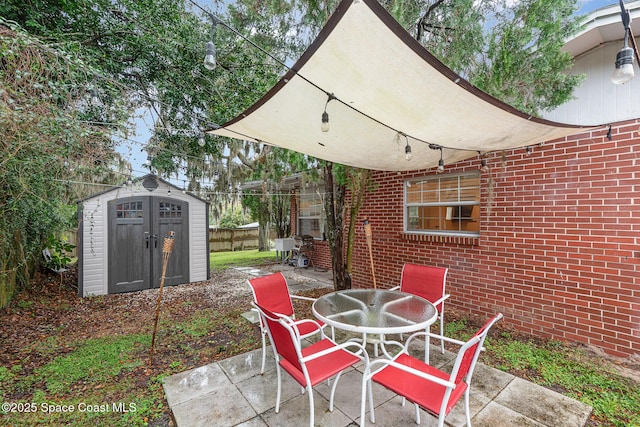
{"x":121,"y":232}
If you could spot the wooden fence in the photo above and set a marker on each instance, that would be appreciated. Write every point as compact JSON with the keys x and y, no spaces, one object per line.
{"x":71,"y":236}
{"x":220,"y":239}
{"x":233,"y":239}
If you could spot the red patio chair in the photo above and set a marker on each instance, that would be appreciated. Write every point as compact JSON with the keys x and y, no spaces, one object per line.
{"x":429,"y":283}
{"x":310,"y":365}
{"x":272,"y":293}
{"x":424,"y":385}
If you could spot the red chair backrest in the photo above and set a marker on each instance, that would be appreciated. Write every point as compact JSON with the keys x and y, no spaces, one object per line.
{"x":424,"y":281}
{"x":281,"y":337}
{"x":271,"y":292}
{"x":470,"y":354}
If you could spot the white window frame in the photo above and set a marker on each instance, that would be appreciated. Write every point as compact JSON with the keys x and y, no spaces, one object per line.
{"x":459,"y":204}
{"x":314,"y":192}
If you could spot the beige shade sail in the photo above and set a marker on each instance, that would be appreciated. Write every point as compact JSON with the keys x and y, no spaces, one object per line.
{"x":389,"y":92}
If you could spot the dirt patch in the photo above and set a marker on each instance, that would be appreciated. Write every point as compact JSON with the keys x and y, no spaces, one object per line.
{"x":51,"y":308}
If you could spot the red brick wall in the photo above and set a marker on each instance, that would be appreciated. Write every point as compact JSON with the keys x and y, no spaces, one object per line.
{"x":322,"y":254}
{"x":559,"y":251}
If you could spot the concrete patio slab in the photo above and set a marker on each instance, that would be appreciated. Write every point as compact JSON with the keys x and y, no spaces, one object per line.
{"x":233,"y":393}
{"x":543,"y":405}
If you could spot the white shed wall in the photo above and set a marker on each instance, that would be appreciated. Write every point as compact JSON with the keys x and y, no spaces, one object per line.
{"x":94,"y":238}
{"x":597,"y":100}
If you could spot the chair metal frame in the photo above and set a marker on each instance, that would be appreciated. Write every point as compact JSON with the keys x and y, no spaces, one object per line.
{"x":428,"y":282}
{"x":46,"y":254}
{"x":426,"y":386}
{"x":272,"y":292}
{"x":310,"y":365}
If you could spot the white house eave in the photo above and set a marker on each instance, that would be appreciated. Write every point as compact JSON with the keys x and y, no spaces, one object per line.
{"x":602,"y":26}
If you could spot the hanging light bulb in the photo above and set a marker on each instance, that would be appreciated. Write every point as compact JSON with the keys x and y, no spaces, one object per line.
{"x":210,"y":50}
{"x":483,"y":163}
{"x":624,"y":59}
{"x":440,"y":162}
{"x":210,"y":56}
{"x":624,"y":66}
{"x":95,"y":101}
{"x":201,"y":141}
{"x":324,"y":125}
{"x":407,"y":150}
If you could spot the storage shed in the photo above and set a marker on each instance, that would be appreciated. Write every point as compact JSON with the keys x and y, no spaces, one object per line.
{"x":121,"y":232}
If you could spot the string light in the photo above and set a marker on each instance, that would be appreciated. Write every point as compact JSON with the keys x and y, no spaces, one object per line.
{"x":210,"y":50}
{"x":441,"y":161}
{"x":624,"y":58}
{"x":325,"y":116}
{"x":407,"y":149}
{"x":483,"y":163}
{"x":324,"y":126}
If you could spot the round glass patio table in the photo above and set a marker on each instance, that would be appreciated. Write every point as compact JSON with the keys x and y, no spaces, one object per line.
{"x":375,"y":311}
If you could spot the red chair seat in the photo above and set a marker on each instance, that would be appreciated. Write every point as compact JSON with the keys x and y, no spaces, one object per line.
{"x":320,"y":369}
{"x":424,"y":385}
{"x":412,"y":387}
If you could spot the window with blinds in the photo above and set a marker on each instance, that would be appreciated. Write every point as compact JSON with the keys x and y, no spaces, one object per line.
{"x":311,"y":219}
{"x":443,"y":205}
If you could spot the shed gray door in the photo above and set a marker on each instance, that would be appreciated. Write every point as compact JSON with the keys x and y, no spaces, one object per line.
{"x":171,"y":215}
{"x":137,"y":228}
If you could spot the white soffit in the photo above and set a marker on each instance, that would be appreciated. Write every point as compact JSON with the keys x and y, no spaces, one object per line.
{"x":602,"y":26}
{"x":387,"y":86}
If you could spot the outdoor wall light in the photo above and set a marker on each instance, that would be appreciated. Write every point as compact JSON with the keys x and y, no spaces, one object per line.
{"x":210,"y":50}
{"x":624,"y":59}
{"x":324,"y":126}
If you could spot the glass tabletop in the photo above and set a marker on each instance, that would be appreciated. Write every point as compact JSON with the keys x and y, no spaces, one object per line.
{"x":375,"y":311}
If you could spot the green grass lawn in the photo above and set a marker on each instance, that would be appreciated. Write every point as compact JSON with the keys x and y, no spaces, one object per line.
{"x":222,"y":260}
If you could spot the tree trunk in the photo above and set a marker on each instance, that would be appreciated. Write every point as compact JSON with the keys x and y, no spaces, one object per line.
{"x":360,"y":182}
{"x":334,"y":208}
{"x":263,"y":227}
{"x":281,"y":215}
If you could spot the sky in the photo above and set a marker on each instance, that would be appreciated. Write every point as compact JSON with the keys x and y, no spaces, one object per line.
{"x":586,"y":6}
{"x":133,"y":148}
